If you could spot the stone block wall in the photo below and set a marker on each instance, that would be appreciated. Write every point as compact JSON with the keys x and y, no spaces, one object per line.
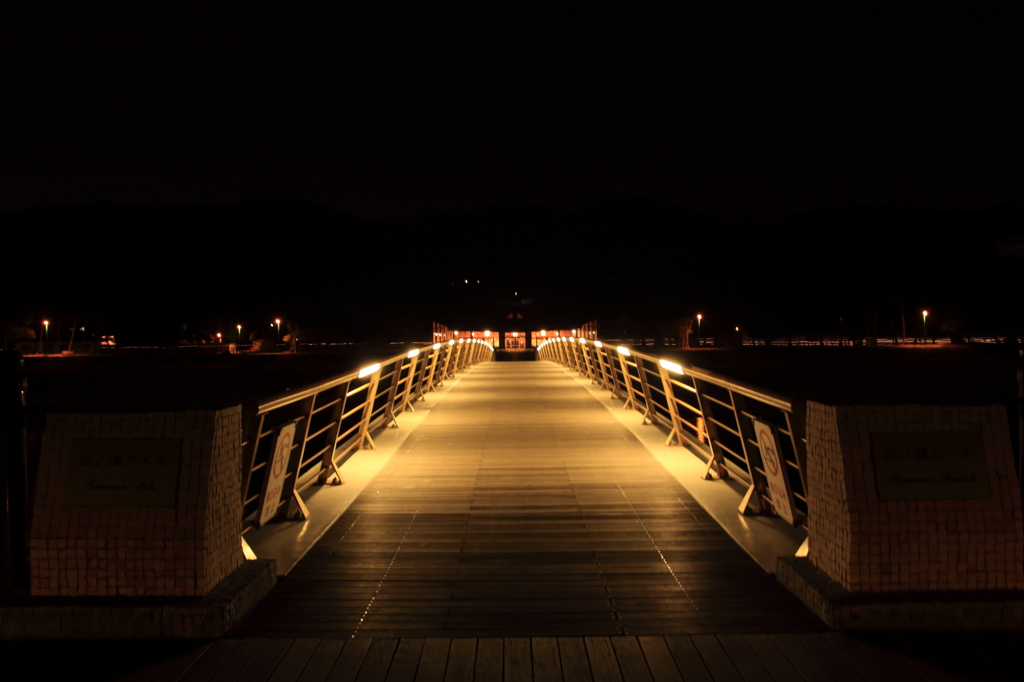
{"x":870,"y":545}
{"x":182,"y":544}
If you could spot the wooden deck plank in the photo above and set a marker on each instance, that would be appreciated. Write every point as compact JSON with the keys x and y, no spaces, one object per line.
{"x":433,"y":660}
{"x":322,"y":661}
{"x":572,"y":654}
{"x":490,"y":659}
{"x":461,"y":660}
{"x":293,"y":663}
{"x":632,"y":663}
{"x":801,"y":658}
{"x":829,"y":658}
{"x":716,"y":659}
{"x":546,"y":665}
{"x":406,"y":660}
{"x":174,"y":668}
{"x":346,"y":668}
{"x":377,"y":660}
{"x":603,"y":664}
{"x":267,"y":660}
{"x":751,"y":668}
{"x":687,"y":658}
{"x":242,"y":655}
{"x":775,"y":662}
{"x":518,"y":660}
{"x":207,"y":665}
{"x":659,"y":659}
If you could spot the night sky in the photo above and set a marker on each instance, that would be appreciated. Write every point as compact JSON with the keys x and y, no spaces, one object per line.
{"x":733,"y":108}
{"x":781,"y":166}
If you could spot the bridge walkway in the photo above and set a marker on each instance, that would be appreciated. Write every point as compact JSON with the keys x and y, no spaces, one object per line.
{"x":521,"y":507}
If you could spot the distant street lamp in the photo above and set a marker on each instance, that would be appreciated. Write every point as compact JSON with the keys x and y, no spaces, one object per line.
{"x":218,"y":337}
{"x":924,"y":324}
{"x":239,"y":327}
{"x":700,"y":339}
{"x":278,"y":323}
{"x":46,"y":333}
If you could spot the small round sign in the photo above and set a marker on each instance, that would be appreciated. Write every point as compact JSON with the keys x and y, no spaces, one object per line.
{"x":771,"y":460}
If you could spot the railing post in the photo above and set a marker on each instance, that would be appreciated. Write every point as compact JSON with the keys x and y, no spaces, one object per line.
{"x":753,"y":501}
{"x":410,"y":381}
{"x":673,"y":409}
{"x":438,"y":348}
{"x":717,"y":458}
{"x":627,"y":379}
{"x":364,"y":426}
{"x":250,"y":446}
{"x":327,"y":465}
{"x":390,"y":421}
{"x":295,"y":461}
{"x":449,"y":350}
{"x":649,"y":413}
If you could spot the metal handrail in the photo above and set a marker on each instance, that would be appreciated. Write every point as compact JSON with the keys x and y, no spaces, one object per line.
{"x":337,"y":417}
{"x":694,"y":415}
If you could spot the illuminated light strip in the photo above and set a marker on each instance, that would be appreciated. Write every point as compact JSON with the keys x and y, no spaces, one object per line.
{"x":369,"y":370}
{"x":671,"y":366}
{"x":623,"y":351}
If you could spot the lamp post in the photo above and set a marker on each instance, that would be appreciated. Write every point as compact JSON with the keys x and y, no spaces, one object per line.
{"x":239,"y":328}
{"x":700,"y":339}
{"x":924,"y":325}
{"x":46,"y":334}
{"x":278,"y":323}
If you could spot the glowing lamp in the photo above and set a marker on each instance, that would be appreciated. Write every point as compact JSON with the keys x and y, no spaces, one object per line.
{"x":671,"y":366}
{"x":369,"y":370}
{"x":623,"y":351}
{"x":413,"y":353}
{"x":451,"y":342}
{"x":436,"y":346}
{"x":598,"y":344}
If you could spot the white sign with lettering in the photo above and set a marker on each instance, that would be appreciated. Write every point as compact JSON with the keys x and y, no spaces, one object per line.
{"x":277,"y":467}
{"x":775,"y":470}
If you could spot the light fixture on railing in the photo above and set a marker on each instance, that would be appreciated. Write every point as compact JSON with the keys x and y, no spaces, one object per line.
{"x":583,"y":341}
{"x":451,"y":342}
{"x":436,"y":346}
{"x":623,"y":351}
{"x":461,"y":340}
{"x":413,"y":353}
{"x":369,"y":370}
{"x":671,"y":366}
{"x":572,"y":340}
{"x":598,"y":344}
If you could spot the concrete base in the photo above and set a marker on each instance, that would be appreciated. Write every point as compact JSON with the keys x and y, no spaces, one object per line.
{"x":141,"y":618}
{"x":946,"y":610}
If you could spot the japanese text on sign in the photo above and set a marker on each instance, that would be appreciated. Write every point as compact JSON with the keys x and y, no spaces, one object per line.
{"x":930,"y":465}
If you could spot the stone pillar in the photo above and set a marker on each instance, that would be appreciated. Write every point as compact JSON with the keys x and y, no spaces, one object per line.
{"x":140,"y":504}
{"x":911,"y":508}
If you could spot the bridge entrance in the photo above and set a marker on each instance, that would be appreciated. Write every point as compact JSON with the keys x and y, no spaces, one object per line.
{"x":521,"y":506}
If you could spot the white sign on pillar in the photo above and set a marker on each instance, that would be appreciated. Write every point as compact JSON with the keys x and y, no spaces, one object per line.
{"x":775,"y":470}
{"x":277,"y":468}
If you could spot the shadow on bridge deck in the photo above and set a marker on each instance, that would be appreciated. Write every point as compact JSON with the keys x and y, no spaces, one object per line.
{"x":521,"y":506}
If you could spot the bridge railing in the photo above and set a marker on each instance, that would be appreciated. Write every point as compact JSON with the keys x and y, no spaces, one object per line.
{"x":715,"y":416}
{"x":333,"y":420}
